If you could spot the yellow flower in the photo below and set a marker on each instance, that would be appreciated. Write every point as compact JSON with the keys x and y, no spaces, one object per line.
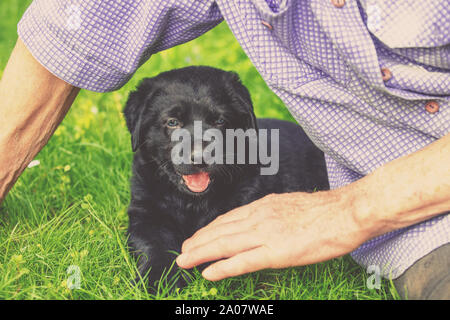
{"x":83,"y":253}
{"x":17,"y":259}
{"x":213,"y":291}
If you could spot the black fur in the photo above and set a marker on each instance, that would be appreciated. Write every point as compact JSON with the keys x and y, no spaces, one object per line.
{"x":163,"y":212}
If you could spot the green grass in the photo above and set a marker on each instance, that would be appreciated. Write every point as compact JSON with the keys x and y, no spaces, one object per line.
{"x":71,"y":209}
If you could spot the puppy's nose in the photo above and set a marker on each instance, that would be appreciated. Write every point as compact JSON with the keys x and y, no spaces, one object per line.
{"x":197,"y":156}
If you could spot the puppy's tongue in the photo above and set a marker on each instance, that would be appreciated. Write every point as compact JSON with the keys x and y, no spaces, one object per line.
{"x":197,"y":182}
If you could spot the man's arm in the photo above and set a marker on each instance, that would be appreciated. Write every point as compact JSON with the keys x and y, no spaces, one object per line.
{"x":297,"y":228}
{"x":405,"y":191}
{"x":32,"y":104}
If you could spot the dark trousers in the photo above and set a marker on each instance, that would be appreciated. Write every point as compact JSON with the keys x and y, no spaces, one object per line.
{"x":428,"y":278}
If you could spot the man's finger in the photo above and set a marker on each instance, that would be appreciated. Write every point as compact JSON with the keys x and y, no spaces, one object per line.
{"x":211,"y":232}
{"x":219,"y":248}
{"x":244,"y":262}
{"x":232,"y":215}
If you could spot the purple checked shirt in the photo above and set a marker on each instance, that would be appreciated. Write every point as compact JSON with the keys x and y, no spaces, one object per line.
{"x":369,"y":80}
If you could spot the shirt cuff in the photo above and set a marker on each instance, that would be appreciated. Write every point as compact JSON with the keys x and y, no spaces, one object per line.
{"x":61,"y":59}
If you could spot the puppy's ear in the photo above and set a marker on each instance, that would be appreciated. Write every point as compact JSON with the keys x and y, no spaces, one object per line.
{"x":241,"y":96}
{"x":134,"y":111}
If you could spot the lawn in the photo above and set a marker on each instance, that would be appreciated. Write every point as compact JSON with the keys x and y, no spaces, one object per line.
{"x":68,"y":214}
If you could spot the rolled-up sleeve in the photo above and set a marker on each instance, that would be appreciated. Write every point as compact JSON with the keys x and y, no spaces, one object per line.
{"x":98,"y":45}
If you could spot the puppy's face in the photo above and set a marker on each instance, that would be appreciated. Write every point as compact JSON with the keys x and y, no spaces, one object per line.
{"x":188,"y":102}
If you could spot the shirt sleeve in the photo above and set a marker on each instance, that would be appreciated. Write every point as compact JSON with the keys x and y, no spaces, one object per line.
{"x":98,"y":45}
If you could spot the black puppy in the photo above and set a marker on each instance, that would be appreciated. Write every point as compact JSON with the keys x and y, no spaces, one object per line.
{"x":172,"y":200}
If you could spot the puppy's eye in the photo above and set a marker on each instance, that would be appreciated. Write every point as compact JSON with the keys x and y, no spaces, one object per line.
{"x":173,"y":123}
{"x":220,"y":122}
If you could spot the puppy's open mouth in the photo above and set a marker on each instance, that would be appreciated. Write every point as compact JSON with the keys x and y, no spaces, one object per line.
{"x":197,"y":182}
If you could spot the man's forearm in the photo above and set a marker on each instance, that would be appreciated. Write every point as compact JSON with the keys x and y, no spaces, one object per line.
{"x":405,"y":191}
{"x":32,"y":104}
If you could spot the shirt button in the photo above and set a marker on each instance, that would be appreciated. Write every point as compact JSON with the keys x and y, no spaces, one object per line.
{"x":266,"y":24}
{"x":338,"y":3}
{"x":432,"y":107}
{"x":386,"y":74}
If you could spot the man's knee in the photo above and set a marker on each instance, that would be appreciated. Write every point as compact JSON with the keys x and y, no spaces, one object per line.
{"x":428,"y":278}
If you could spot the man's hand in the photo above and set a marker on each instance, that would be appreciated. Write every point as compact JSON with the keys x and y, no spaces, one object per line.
{"x":277,"y":231}
{"x":299,"y":228}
